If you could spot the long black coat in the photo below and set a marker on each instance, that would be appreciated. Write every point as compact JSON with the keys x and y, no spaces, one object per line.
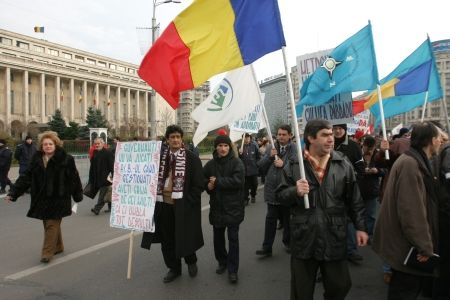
{"x":23,"y":154}
{"x":226,"y":200}
{"x":188,"y":214}
{"x":102,"y":163}
{"x":51,"y":187}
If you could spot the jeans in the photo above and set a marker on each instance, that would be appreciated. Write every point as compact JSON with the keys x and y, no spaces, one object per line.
{"x":370,"y":214}
{"x":351,"y":239}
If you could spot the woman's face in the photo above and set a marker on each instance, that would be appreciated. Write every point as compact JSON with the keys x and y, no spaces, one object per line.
{"x":48,"y":146}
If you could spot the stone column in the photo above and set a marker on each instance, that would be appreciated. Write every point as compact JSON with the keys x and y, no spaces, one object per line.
{"x":108,"y":103}
{"x":8,"y":99}
{"x":43,"y":112}
{"x":128,"y":104}
{"x":118,"y":109}
{"x":137,"y":104}
{"x":26,"y":99}
{"x":146,"y":115}
{"x":72,"y":99}
{"x":97,"y":95}
{"x":84,"y":106}
{"x":58,"y":92}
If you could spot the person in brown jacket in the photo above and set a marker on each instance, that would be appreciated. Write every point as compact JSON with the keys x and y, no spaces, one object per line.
{"x":409,"y":213}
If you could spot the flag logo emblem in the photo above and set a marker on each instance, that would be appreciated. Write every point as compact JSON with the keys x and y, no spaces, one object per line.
{"x":330,"y":65}
{"x":222,"y":97}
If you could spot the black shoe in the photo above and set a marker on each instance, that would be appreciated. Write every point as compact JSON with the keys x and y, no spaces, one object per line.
{"x":192,"y":270}
{"x":264,"y":253}
{"x":107,"y":210}
{"x":233,"y":277}
{"x":171,"y":276}
{"x":354,"y":258}
{"x":246,"y":202}
{"x":2,"y":191}
{"x":221,"y":269}
{"x":95,"y":211}
{"x":45,"y":260}
{"x":253,"y":199}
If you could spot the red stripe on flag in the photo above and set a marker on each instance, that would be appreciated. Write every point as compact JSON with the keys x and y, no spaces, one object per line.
{"x":358,"y":106}
{"x":166,"y":66}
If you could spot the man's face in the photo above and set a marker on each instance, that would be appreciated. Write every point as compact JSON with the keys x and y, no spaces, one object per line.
{"x":98,"y":145}
{"x":247,"y":140}
{"x":338,"y":132}
{"x":367,"y":150}
{"x":323,"y":143}
{"x":29,"y":141}
{"x":437,"y":143}
{"x":223,"y":149}
{"x":174,"y":141}
{"x":283,"y":137}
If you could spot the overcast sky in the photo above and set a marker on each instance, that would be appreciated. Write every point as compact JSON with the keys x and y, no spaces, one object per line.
{"x":108,"y":27}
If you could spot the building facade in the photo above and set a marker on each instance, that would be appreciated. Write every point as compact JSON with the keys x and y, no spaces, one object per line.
{"x":189,"y":100}
{"x":436,"y":110}
{"x":37,"y":77}
{"x":276,"y":99}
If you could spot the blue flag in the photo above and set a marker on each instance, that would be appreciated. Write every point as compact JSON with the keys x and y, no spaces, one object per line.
{"x":350,"y":67}
{"x":419,"y":59}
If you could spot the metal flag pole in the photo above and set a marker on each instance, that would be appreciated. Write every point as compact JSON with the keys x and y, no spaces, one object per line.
{"x":424,"y":107}
{"x":296,"y":133}
{"x":383,"y":123}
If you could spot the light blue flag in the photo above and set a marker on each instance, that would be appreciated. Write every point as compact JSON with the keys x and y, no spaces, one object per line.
{"x":350,"y":67}
{"x":400,"y":104}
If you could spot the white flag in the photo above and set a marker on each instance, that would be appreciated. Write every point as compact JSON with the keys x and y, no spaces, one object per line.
{"x":252,"y":122}
{"x":234,"y":97}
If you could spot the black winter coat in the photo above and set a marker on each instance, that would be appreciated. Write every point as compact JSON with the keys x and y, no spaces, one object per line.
{"x":5,"y":159}
{"x":320,"y":232}
{"x":353,"y":152}
{"x":250,"y":156}
{"x":226,"y":199}
{"x":23,"y":154}
{"x":188,"y":214}
{"x":102,"y":163}
{"x":51,"y":187}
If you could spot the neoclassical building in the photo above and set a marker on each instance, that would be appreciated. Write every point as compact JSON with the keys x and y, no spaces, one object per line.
{"x":37,"y":77}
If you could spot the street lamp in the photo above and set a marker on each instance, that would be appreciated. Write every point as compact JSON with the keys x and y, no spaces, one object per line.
{"x":153,"y":101}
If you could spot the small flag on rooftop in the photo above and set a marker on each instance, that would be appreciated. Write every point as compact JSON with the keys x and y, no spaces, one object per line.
{"x":38,"y":29}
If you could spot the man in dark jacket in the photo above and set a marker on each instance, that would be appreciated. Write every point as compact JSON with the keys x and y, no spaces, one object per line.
{"x":23,"y":153}
{"x":271,"y":166}
{"x":409,"y":213}
{"x":224,"y":175}
{"x":177,"y":216}
{"x":353,"y":152}
{"x":249,"y":154}
{"x":318,"y":234}
{"x":5,"y":165}
{"x":102,"y":166}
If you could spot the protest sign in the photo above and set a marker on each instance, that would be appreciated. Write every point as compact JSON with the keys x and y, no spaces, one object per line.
{"x":337,"y":111}
{"x":135,"y":185}
{"x":251,"y":122}
{"x":360,"y":122}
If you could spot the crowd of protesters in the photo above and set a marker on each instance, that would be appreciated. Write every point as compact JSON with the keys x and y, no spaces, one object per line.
{"x":362,"y":190}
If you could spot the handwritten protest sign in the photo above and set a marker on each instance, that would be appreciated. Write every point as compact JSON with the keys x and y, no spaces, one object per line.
{"x":360,"y":122}
{"x":134,"y":185}
{"x":337,"y":111}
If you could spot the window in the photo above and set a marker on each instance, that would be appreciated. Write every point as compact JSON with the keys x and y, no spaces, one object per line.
{"x":38,"y":48}
{"x":90,"y":61}
{"x":101,"y":64}
{"x":67,"y":55}
{"x":53,"y":52}
{"x":112,"y":66}
{"x":29,"y":103}
{"x":120,"y":68}
{"x":131,"y":71}
{"x":29,"y":79}
{"x":79,"y":58}
{"x":6,"y":41}
{"x":23,"y":45}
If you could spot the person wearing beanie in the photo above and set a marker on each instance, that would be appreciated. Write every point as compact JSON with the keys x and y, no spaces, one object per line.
{"x":24,"y":152}
{"x":249,"y":154}
{"x":224,"y":182}
{"x":353,"y":152}
{"x":5,"y":165}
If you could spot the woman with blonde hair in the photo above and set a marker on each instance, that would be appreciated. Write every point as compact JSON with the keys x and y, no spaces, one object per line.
{"x":53,"y":179}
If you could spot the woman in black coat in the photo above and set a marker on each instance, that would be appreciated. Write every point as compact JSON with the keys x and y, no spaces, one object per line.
{"x":225,"y":175}
{"x":53,"y":179}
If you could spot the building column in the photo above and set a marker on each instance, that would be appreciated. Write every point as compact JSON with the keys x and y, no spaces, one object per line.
{"x":84,"y":106}
{"x":137,"y":104}
{"x":153,"y":116}
{"x":146,"y":115}
{"x":43,"y":113}
{"x":128,"y":104}
{"x":26,"y":100}
{"x":58,"y":92}
{"x":108,"y":103}
{"x":72,"y":100}
{"x":97,"y":95}
{"x":118,"y":109}
{"x":8,"y":99}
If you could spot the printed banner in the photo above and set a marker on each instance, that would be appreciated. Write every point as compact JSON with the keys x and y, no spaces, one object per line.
{"x":134,"y":185}
{"x":337,"y":111}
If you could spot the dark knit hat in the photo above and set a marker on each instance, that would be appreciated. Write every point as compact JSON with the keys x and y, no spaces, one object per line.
{"x":222,"y":139}
{"x":28,"y":138}
{"x":403,"y":131}
{"x":343,"y":126}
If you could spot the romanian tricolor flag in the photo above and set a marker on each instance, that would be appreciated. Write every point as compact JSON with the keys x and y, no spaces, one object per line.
{"x":413,"y":81}
{"x":38,"y":29}
{"x":210,"y":37}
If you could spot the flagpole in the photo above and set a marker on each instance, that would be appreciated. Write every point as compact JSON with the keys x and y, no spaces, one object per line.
{"x":383,"y":124}
{"x":444,"y":102}
{"x":296,"y":133}
{"x":424,"y":107}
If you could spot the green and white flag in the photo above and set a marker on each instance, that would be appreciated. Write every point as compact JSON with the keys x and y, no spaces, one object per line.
{"x":233,"y":98}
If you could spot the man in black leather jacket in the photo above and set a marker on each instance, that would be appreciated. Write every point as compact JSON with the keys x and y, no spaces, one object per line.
{"x":318,"y":234}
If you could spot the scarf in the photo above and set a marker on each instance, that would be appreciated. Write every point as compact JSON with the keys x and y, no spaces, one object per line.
{"x":178,"y":173}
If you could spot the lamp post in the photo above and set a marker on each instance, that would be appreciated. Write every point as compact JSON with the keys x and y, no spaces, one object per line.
{"x":153,"y":100}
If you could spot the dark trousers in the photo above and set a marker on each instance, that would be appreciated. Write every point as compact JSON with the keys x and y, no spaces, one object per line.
{"x":53,"y":242}
{"x":405,"y":286}
{"x":441,"y":289}
{"x":168,"y":239}
{"x":101,"y":198}
{"x":4,"y":180}
{"x":230,"y":259}
{"x":251,"y":183}
{"x":335,"y":276}
{"x":274,"y":212}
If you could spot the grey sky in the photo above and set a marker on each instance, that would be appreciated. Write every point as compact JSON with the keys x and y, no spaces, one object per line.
{"x":108,"y":27}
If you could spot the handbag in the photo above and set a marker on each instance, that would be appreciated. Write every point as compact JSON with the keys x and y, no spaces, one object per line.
{"x":90,"y":191}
